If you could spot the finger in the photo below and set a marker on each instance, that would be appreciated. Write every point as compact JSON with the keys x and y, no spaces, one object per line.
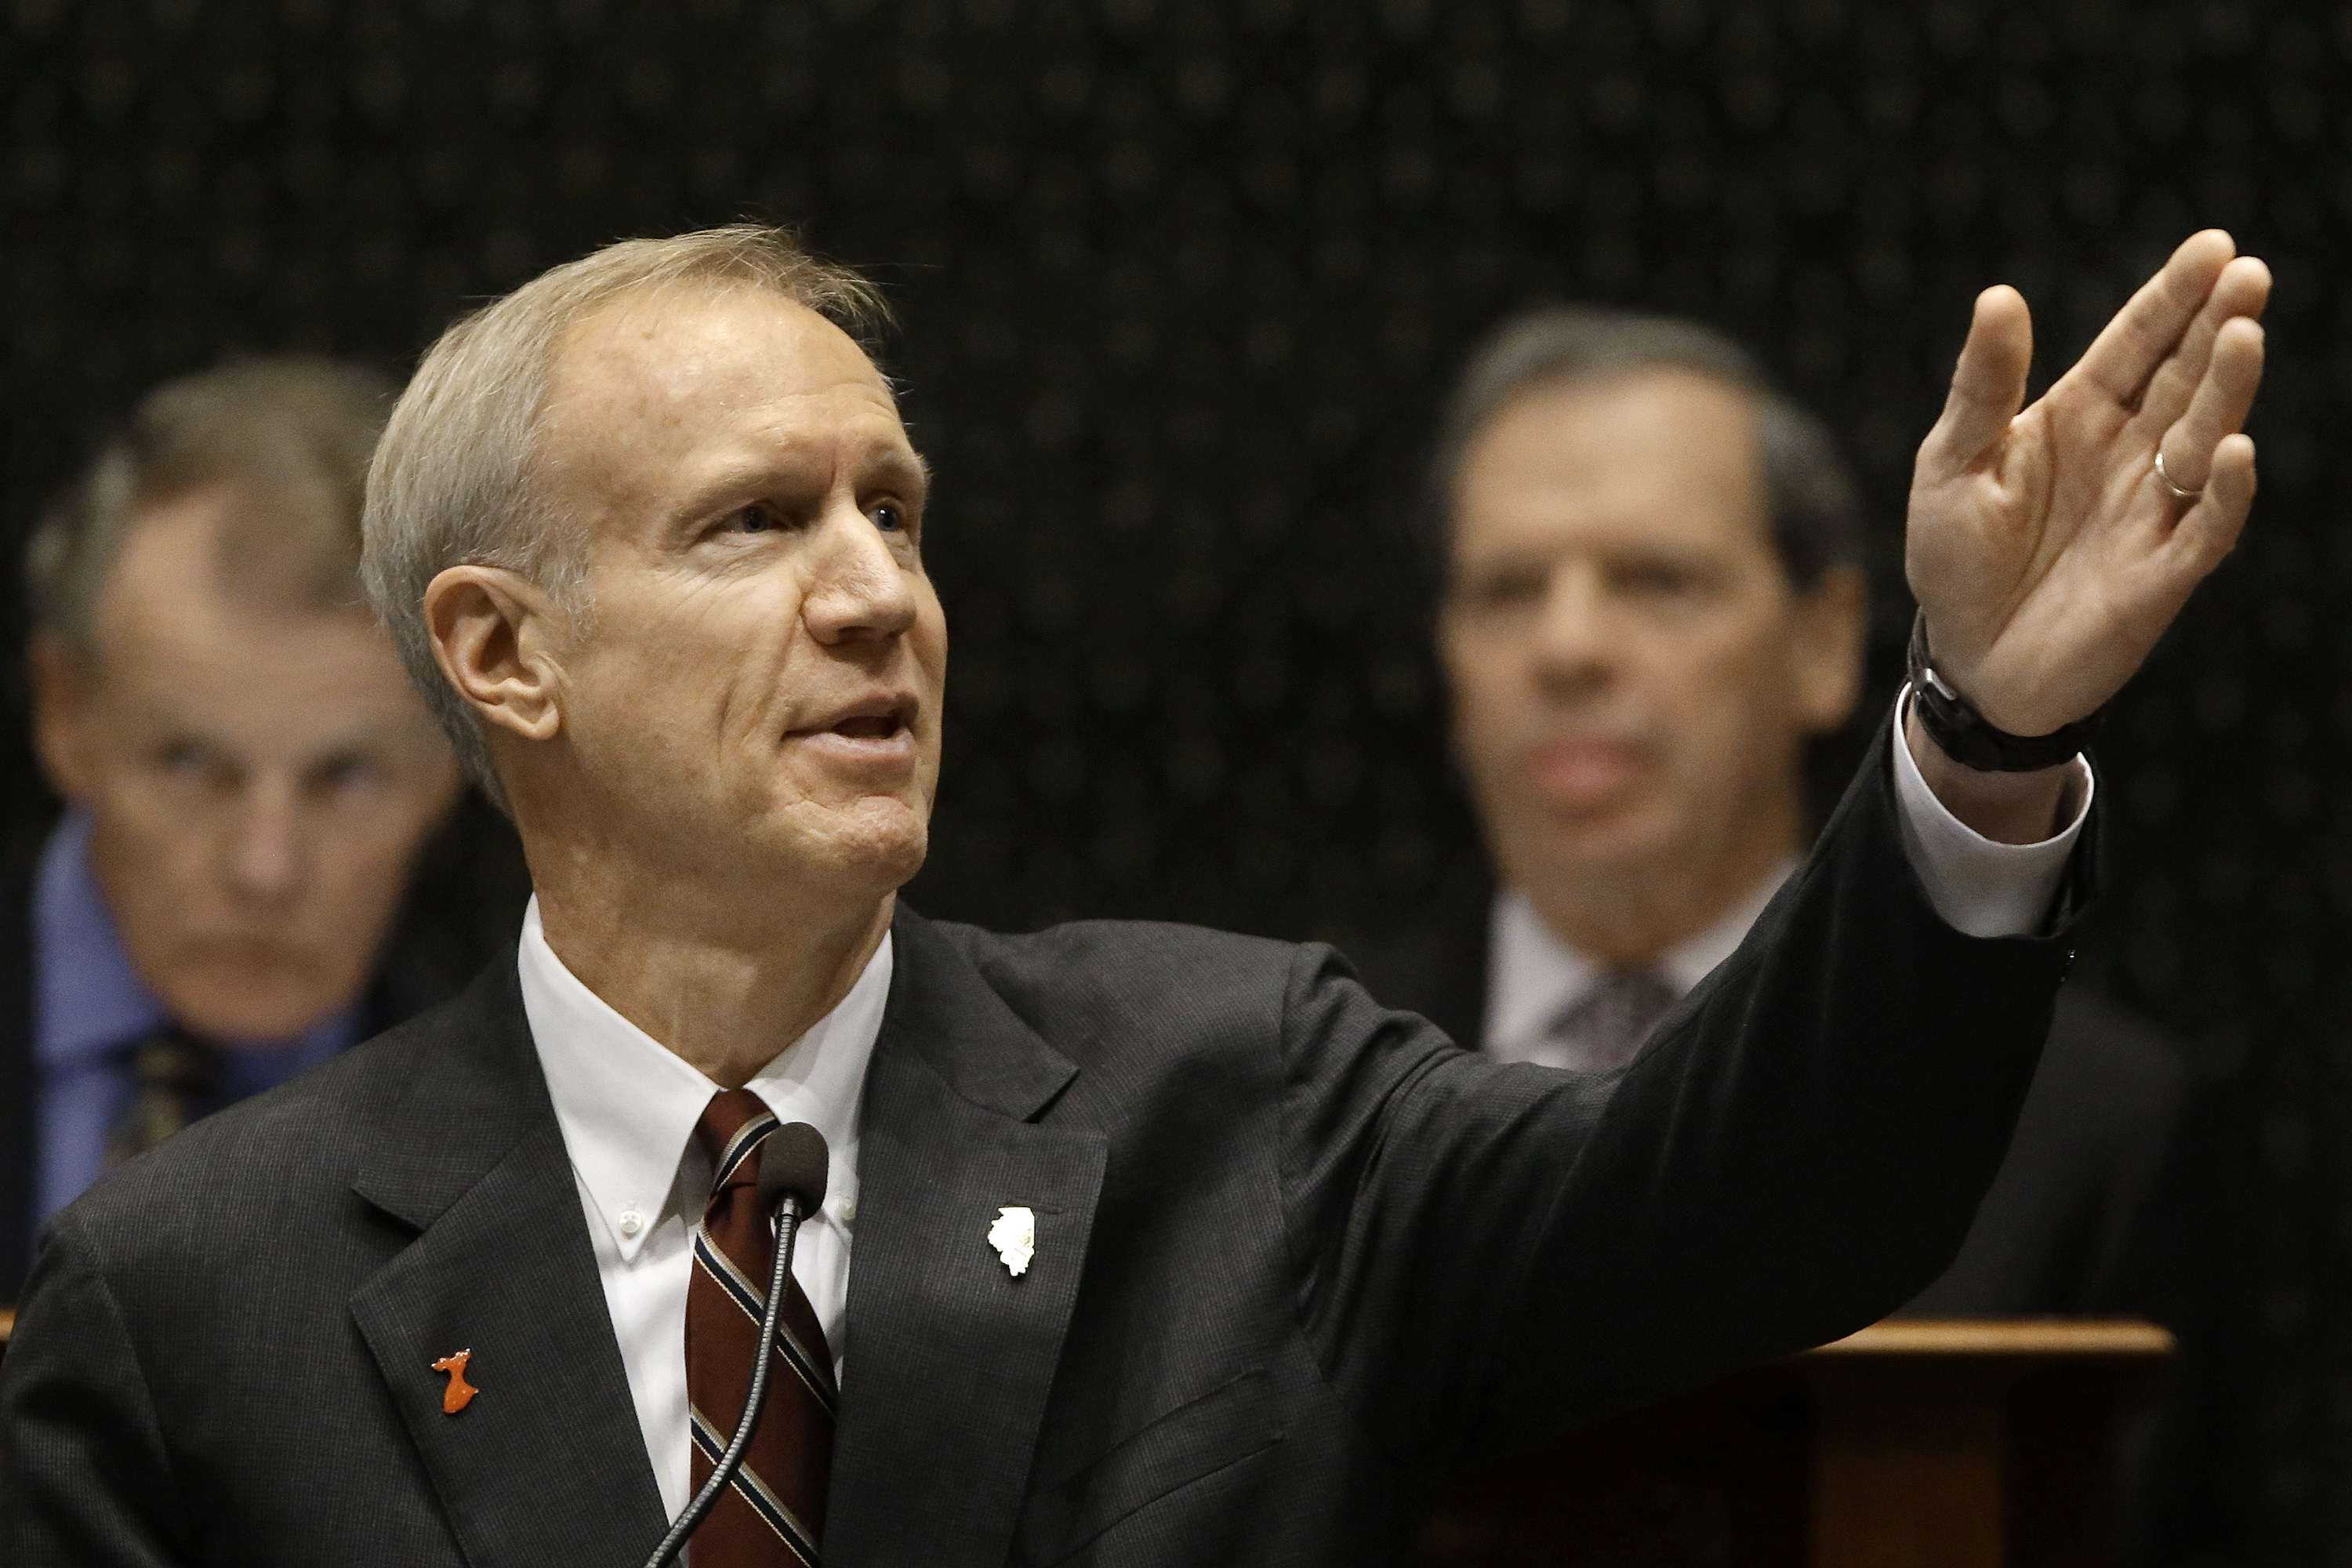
{"x":2122,"y":358}
{"x":2219,"y":405}
{"x":2243,"y":290}
{"x":2212,"y":527}
{"x":1987,"y":383}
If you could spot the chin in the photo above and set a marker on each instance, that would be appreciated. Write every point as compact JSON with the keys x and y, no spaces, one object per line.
{"x":1618,"y":841}
{"x":263,"y":1014}
{"x":882,"y":844}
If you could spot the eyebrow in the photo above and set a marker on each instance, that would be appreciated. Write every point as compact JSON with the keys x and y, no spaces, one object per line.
{"x":891,"y":463}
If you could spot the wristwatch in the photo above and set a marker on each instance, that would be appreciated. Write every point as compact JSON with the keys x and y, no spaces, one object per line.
{"x":1966,"y":737}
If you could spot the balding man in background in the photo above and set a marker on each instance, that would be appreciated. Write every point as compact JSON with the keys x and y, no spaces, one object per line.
{"x":248,"y":779}
{"x":1654,"y":604}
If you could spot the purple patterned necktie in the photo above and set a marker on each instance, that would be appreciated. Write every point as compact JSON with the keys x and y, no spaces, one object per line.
{"x":1606,"y":1027}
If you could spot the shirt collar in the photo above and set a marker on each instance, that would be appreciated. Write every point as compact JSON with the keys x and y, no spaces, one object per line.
{"x":628,"y":1106}
{"x":89,"y":999}
{"x":1532,"y":976}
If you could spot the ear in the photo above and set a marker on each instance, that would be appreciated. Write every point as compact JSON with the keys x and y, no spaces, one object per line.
{"x":495,"y":636}
{"x":1830,"y":619}
{"x":61,"y":700}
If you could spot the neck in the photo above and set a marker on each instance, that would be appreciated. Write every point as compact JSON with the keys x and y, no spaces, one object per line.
{"x":725,"y":978}
{"x":1635,"y":913}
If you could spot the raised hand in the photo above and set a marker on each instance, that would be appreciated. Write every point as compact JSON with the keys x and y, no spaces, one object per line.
{"x":2046,"y":550}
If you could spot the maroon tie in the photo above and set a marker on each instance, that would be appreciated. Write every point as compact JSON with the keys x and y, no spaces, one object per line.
{"x":773,"y":1514}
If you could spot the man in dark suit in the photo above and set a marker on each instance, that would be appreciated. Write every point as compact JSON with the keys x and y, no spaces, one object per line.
{"x":247,"y":777}
{"x":1653,"y":601}
{"x":1169,"y":1246}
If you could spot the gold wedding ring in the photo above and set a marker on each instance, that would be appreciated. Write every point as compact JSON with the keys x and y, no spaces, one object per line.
{"x":2191,"y":497}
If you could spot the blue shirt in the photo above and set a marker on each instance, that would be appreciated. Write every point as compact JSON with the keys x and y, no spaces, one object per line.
{"x":90,"y":1005}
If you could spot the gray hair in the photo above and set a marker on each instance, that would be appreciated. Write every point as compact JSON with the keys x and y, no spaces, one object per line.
{"x":456,"y":476}
{"x":285,"y":439}
{"x":1808,"y":491}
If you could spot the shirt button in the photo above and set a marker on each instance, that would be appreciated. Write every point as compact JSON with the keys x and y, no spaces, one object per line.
{"x":631,"y":1222}
{"x":847,"y":1210}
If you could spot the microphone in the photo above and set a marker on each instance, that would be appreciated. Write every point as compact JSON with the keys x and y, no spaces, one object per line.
{"x":794,"y":1166}
{"x":794,"y":1162}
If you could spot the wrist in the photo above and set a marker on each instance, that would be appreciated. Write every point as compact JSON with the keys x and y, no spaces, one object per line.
{"x":2005,"y":807}
{"x":1964,"y":733}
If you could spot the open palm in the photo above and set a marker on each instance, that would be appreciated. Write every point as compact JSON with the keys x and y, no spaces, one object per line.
{"x":2043,"y":546}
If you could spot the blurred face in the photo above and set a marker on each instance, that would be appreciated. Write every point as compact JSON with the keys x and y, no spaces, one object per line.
{"x":757,"y":688}
{"x":259,"y":784}
{"x":1633,"y":674}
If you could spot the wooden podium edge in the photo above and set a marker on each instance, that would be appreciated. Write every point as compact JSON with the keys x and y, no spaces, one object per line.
{"x":1920,"y":1336}
{"x":2035,"y":1337}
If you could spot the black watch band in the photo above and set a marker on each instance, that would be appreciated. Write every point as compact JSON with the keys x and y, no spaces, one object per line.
{"x":1953,"y":724}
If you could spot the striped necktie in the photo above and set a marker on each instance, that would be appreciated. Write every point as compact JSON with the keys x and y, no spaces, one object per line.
{"x":1606,"y":1027}
{"x":175,"y":1074}
{"x":773,"y":1514}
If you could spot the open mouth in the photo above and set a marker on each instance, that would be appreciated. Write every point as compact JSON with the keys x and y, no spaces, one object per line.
{"x":869,"y":726}
{"x":877,"y":720}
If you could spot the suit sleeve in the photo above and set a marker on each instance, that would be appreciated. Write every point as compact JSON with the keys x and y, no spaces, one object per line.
{"x":1488,"y":1252}
{"x":84,"y":1481}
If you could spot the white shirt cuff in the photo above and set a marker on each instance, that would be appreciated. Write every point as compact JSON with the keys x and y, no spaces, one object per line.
{"x":1981,"y":888}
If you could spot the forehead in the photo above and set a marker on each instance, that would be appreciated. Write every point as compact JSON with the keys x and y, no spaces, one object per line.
{"x":168,"y":637}
{"x":661,"y":374}
{"x":1665,"y":452}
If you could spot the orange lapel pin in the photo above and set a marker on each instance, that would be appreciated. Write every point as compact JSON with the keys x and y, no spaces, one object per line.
{"x":454,"y":1397}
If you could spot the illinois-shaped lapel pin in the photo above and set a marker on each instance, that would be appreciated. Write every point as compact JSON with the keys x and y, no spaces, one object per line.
{"x":1015,"y":1237}
{"x":454,"y":1397}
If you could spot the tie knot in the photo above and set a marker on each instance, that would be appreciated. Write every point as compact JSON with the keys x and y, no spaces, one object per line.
{"x":730,"y":1129}
{"x":1639,"y":990}
{"x":172,"y":1057}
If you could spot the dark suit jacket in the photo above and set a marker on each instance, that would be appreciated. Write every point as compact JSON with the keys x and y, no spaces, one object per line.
{"x":400,"y":990}
{"x":2090,"y":1213}
{"x":1296,"y":1256}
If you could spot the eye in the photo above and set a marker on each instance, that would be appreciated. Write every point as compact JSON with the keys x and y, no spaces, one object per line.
{"x":1657,"y":579}
{"x":756,"y":518}
{"x":189,"y":761}
{"x":344,"y":771}
{"x":889,"y":517}
{"x":1502,"y":587}
{"x":180,"y":756}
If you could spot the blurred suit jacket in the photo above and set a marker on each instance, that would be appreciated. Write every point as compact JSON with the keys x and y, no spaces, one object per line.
{"x":1296,"y":1256}
{"x":2105,"y":1205}
{"x":2089,"y":1215}
{"x":404,"y":986}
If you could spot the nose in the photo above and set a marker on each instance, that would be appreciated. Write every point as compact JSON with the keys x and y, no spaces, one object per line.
{"x":264,"y":851}
{"x":1576,"y":639}
{"x":859,"y":588}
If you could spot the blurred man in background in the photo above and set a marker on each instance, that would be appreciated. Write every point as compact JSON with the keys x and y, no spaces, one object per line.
{"x":248,"y":778}
{"x":1654,"y":602}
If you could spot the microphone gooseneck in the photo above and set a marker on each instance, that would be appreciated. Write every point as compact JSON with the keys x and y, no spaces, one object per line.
{"x":793,"y":1165}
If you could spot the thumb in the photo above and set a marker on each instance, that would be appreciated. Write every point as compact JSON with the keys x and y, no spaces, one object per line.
{"x":1988,"y":384}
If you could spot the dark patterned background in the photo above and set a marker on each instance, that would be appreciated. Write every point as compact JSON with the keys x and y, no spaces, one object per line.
{"x":1179,"y":284}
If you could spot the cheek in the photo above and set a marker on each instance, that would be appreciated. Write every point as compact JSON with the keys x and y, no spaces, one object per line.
{"x":143,"y":824}
{"x":355,"y":882}
{"x":1732,"y":700}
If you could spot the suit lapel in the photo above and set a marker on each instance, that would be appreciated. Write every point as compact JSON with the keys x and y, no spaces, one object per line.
{"x":546,"y":1463}
{"x":950,"y":1356}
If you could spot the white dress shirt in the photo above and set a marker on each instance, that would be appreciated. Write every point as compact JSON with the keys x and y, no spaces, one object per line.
{"x":1979,"y":885}
{"x":628,"y":1108}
